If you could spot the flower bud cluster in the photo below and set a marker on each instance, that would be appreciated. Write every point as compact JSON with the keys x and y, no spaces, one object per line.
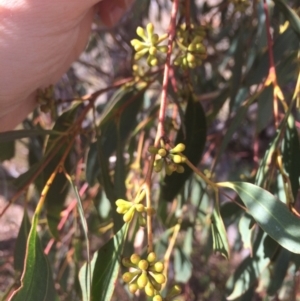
{"x":169,"y":159}
{"x":129,"y":209}
{"x":45,"y":98}
{"x":145,"y":274}
{"x":190,"y":44}
{"x":149,"y":46}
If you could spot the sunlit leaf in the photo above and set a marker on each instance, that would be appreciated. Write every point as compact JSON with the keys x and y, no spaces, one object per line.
{"x":272,"y":215}
{"x":20,"y":249}
{"x":219,"y":234}
{"x":247,"y":273}
{"x":36,"y":281}
{"x":105,"y":267}
{"x":246,"y":230}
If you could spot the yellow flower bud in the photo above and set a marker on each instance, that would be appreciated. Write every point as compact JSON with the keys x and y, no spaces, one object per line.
{"x":133,"y":287}
{"x":150,"y":29}
{"x":180,"y":147}
{"x":180,"y":169}
{"x":158,"y":267}
{"x":135,"y":258}
{"x":151,"y":257}
{"x":149,"y":289}
{"x":142,"y":280}
{"x":141,"y":33}
{"x":128,"y":276}
{"x":143,"y":264}
{"x":158,"y":277}
{"x":162,"y":152}
{"x":157,"y":298}
{"x":129,"y":215}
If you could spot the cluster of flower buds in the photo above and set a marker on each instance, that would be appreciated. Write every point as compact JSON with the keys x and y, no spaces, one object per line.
{"x":150,"y":44}
{"x":170,"y":159}
{"x":190,"y":43}
{"x":45,"y":98}
{"x":145,"y":274}
{"x":129,"y":209}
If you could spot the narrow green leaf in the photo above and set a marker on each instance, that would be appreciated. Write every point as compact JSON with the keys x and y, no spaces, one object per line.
{"x":105,"y":267}
{"x":7,"y":150}
{"x":290,"y":153}
{"x":246,"y":230}
{"x":36,"y":281}
{"x":87,"y":283}
{"x":279,"y":271}
{"x":290,"y":15}
{"x":59,"y":188}
{"x":20,"y":248}
{"x":219,"y":234}
{"x":182,"y":266}
{"x":272,"y":215}
{"x":265,"y":106}
{"x":20,"y":134}
{"x":194,"y":139}
{"x":248,"y":271}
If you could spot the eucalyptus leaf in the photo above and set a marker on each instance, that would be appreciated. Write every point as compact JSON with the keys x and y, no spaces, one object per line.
{"x":273,"y":216}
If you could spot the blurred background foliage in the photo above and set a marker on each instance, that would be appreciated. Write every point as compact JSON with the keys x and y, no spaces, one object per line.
{"x":229,"y":132}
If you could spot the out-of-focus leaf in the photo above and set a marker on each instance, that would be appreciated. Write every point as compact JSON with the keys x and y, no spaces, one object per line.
{"x":290,"y":15}
{"x":20,"y":134}
{"x":36,"y":281}
{"x":279,"y":271}
{"x":58,"y":190}
{"x":85,"y":232}
{"x":265,"y":106}
{"x":20,"y":248}
{"x":194,"y":140}
{"x":290,"y":153}
{"x":219,"y":235}
{"x":105,"y":267}
{"x":249,"y":270}
{"x":246,"y":230}
{"x":123,"y":109}
{"x":272,"y":215}
{"x":182,"y":266}
{"x":7,"y":150}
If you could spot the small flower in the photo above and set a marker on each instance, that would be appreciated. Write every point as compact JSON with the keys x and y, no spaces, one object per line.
{"x":150,"y":44}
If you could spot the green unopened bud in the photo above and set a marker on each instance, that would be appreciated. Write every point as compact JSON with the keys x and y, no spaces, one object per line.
{"x":162,"y":152}
{"x":149,"y":289}
{"x":152,"y":60}
{"x":151,"y":257}
{"x":142,"y":280}
{"x":153,"y":50}
{"x":158,"y":267}
{"x":180,"y":169}
{"x":133,"y":287}
{"x":175,"y":291}
{"x":135,"y":258}
{"x":128,"y":276}
{"x":158,"y":164}
{"x":154,"y":39}
{"x":159,"y":277}
{"x":129,"y":215}
{"x":150,"y":29}
{"x":152,"y":150}
{"x":192,"y":47}
{"x":180,"y":147}
{"x":190,"y":58}
{"x":163,"y":49}
{"x":139,"y":207}
{"x":141,"y":33}
{"x":157,"y":298}
{"x":192,"y":65}
{"x":143,"y":264}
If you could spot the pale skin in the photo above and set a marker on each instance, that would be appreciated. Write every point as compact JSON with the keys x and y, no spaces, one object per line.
{"x":39,"y":39}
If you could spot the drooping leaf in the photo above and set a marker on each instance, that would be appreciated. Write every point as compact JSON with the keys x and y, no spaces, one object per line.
{"x":290,"y":15}
{"x":123,"y":109}
{"x":20,"y":134}
{"x":7,"y":150}
{"x":194,"y":139}
{"x":20,"y":248}
{"x":279,"y":271}
{"x":272,"y":215}
{"x":219,"y":234}
{"x":247,"y":273}
{"x":59,"y":188}
{"x":246,"y":230}
{"x":36,"y":281}
{"x":105,"y":267}
{"x":290,"y":153}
